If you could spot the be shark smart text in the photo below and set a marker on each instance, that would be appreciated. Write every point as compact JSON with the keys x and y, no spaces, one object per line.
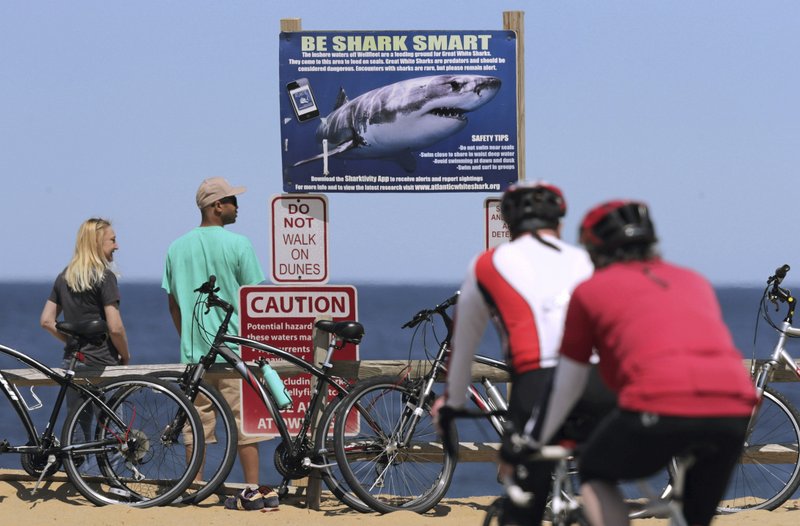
{"x":479,"y":42}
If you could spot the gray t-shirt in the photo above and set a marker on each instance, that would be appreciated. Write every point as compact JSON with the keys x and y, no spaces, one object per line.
{"x":80,"y":307}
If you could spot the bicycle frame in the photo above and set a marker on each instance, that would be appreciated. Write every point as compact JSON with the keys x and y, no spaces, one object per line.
{"x":45,"y":442}
{"x":490,"y":405}
{"x":318,"y":391}
{"x":779,"y":354}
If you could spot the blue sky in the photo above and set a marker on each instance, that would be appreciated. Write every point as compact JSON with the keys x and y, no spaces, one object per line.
{"x":120,"y":109}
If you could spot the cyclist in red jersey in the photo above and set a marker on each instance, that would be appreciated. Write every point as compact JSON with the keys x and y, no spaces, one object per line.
{"x":666,"y":352}
{"x":523,"y":286}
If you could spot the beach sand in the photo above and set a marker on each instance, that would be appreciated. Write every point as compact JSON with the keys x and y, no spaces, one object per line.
{"x":57,"y":502}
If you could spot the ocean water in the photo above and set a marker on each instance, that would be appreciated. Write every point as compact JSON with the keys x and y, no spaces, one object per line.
{"x":381,"y":308}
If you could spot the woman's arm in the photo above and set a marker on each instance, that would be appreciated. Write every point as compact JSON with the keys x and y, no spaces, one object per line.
{"x":116,"y":331}
{"x":48,"y":320}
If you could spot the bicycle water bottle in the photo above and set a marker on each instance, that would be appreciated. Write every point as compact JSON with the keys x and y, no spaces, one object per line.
{"x":276,"y":387}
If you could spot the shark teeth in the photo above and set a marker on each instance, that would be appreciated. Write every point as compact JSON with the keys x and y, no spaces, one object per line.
{"x":450,"y":113}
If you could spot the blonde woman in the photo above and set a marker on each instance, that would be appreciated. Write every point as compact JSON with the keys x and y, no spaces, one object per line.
{"x":87,"y":290}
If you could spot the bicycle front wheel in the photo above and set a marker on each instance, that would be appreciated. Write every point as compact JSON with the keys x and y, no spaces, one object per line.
{"x":391,"y":455}
{"x":768,"y":472}
{"x":220,"y":441}
{"x":325,"y":455}
{"x":141,"y":462}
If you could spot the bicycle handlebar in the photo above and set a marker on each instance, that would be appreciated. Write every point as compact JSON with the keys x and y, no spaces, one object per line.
{"x":425,"y":314}
{"x":776,"y":291}
{"x":208,"y":286}
{"x":213,"y":300}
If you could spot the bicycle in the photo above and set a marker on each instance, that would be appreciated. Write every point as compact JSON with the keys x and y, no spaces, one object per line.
{"x":297,"y":454}
{"x":118,"y":443}
{"x":393,"y":460}
{"x":565,"y":506}
{"x":759,"y":482}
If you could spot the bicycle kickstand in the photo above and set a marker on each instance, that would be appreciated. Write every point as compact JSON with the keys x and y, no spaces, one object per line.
{"x":51,"y":459}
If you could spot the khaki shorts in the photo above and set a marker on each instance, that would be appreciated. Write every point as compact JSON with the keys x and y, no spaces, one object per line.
{"x":231,"y":389}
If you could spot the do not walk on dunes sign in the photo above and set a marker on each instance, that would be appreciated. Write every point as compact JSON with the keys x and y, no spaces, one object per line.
{"x":299,"y":238}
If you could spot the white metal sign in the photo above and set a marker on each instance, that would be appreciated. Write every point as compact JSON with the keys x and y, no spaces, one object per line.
{"x":299,"y":239}
{"x":495,"y":229}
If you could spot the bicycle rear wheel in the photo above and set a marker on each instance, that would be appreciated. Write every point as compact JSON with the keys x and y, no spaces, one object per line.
{"x":768,"y":472}
{"x":220,"y":450}
{"x":393,"y":459}
{"x":141,"y":463}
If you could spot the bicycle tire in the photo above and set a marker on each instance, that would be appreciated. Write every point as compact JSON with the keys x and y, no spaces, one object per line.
{"x":384,"y":476}
{"x":156,"y":470}
{"x":220,"y":454}
{"x":325,"y":455}
{"x":755,"y":485}
{"x":494,"y":513}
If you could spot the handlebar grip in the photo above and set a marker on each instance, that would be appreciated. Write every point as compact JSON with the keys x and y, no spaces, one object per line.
{"x":208,"y":286}
{"x":780,"y":272}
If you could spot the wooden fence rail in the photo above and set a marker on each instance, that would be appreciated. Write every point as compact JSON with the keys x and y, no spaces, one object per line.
{"x":468,"y":451}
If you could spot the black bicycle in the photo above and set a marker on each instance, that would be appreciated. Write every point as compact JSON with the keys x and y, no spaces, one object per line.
{"x":311,"y":447}
{"x":386,"y":443}
{"x":119,"y":443}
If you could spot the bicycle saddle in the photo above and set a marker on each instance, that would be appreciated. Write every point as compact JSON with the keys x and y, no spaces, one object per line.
{"x":87,"y":329}
{"x":349,"y":331}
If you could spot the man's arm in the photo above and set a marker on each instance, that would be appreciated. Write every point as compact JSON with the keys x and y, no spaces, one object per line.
{"x":175,"y":312}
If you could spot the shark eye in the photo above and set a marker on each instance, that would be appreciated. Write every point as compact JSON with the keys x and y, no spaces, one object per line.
{"x":455,"y":85}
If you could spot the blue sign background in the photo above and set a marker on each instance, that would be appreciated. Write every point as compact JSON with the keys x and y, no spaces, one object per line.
{"x":386,"y":57}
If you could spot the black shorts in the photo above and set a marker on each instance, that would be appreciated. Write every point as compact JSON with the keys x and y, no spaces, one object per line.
{"x":629,"y":445}
{"x":532,"y":389}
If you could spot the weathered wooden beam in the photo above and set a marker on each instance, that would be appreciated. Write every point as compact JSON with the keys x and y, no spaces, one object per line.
{"x":342,"y":368}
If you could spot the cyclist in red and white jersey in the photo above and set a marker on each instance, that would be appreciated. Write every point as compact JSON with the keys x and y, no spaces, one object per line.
{"x":524,"y":286}
{"x":666,"y":352}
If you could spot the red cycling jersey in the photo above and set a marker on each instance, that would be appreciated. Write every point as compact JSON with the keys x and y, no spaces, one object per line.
{"x":663,"y":345}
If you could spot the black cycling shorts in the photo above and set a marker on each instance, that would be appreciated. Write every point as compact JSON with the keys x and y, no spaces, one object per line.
{"x":629,"y":445}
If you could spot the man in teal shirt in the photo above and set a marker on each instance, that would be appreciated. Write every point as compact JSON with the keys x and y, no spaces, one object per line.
{"x":191,"y":259}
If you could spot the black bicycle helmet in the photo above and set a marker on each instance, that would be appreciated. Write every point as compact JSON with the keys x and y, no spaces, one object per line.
{"x":530,"y":206}
{"x":615,"y":224}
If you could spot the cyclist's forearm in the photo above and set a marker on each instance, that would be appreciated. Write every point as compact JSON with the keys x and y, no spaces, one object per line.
{"x":568,"y":385}
{"x":472,"y":316}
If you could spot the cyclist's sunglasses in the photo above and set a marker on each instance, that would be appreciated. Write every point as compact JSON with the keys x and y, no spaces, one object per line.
{"x":230,"y":200}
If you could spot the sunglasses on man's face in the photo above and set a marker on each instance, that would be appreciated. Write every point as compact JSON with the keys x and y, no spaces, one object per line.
{"x":230,"y":200}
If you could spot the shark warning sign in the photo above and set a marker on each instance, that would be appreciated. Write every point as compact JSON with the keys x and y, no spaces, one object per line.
{"x":398,"y":111}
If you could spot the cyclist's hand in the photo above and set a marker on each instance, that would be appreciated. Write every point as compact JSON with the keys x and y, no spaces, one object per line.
{"x":437,"y":405}
{"x":515,"y":447}
{"x":444,"y":420}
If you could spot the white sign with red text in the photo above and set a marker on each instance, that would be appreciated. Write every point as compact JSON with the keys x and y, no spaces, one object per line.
{"x":495,"y":229}
{"x":299,"y":238}
{"x":283,"y":316}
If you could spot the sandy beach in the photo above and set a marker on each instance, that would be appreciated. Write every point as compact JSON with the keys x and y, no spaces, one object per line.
{"x":57,"y":502}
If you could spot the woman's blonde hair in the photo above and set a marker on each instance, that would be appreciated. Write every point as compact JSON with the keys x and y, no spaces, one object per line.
{"x":88,"y":265}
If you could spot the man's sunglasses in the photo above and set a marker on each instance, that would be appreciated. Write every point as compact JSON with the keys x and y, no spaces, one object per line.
{"x":230,"y":200}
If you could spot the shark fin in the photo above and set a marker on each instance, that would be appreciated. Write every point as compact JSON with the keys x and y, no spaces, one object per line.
{"x":341,"y":99}
{"x":407,"y":161}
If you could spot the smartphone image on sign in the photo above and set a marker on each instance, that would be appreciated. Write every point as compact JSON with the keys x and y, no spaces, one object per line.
{"x":302,"y":100}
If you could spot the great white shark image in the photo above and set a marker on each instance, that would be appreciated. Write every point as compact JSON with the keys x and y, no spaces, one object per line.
{"x":392,"y":121}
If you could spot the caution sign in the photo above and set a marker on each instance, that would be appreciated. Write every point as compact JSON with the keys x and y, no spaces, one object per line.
{"x":495,"y":229}
{"x":299,"y":239}
{"x":283,"y":317}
